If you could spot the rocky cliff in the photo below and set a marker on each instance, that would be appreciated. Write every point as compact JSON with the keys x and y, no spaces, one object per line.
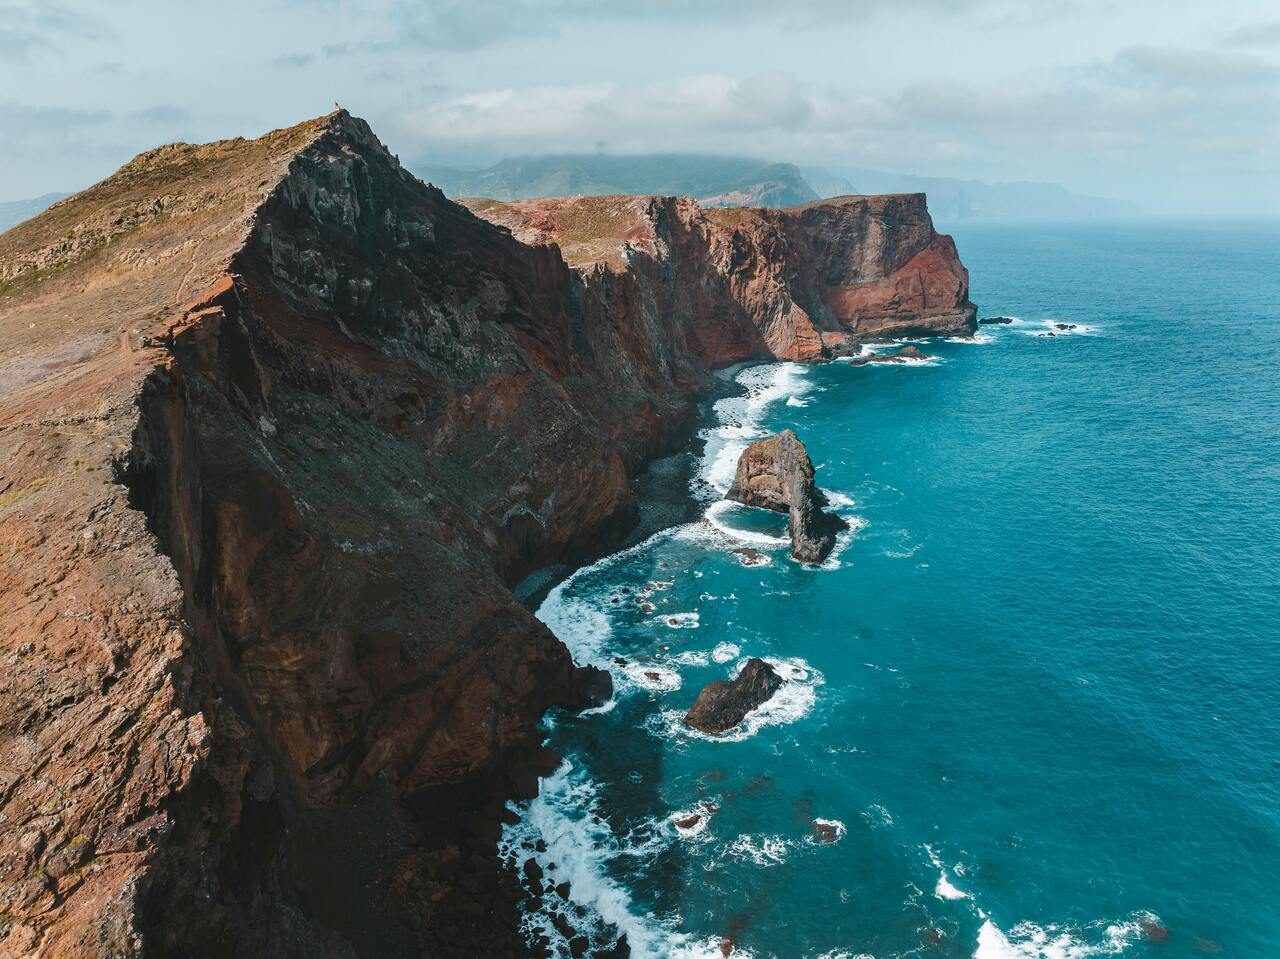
{"x":279,"y":427}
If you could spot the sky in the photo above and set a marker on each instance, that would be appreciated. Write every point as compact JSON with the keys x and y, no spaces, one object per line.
{"x":1171,"y":104}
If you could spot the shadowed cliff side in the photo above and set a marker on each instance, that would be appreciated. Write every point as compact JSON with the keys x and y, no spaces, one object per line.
{"x":281,"y":424}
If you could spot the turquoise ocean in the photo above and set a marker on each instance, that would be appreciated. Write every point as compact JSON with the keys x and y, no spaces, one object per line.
{"x":1033,"y":700}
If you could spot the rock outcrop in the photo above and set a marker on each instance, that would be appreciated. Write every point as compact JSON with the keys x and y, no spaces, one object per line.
{"x":776,"y":474}
{"x":724,"y":703}
{"x":907,"y":354}
{"x":280,"y":425}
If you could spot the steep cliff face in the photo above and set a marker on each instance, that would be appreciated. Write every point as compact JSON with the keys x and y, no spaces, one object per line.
{"x":798,"y":283}
{"x":281,"y":425}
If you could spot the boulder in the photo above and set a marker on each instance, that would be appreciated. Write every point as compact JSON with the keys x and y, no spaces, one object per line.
{"x":725,"y":703}
{"x":996,"y":319}
{"x":902,"y":356}
{"x":776,"y":474}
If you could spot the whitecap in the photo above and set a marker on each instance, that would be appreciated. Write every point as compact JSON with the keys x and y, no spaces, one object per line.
{"x":877,"y":815}
{"x":725,"y":652}
{"x":944,"y":888}
{"x":679,"y":620}
{"x":658,"y":679}
{"x":697,"y":828}
{"x":837,"y":500}
{"x":761,"y":850}
{"x":1045,"y":327}
{"x":582,"y":845}
{"x":1030,"y":941}
{"x":738,"y":419}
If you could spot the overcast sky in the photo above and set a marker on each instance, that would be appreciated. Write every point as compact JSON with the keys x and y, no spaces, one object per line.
{"x":1173,"y":104}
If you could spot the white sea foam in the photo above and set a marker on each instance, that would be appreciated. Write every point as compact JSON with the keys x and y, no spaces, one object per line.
{"x":738,"y":422}
{"x":877,"y":815}
{"x":1029,"y":941}
{"x":581,"y":844}
{"x":679,"y":620}
{"x":836,"y":825}
{"x":699,"y":827}
{"x":760,"y":850}
{"x":944,"y":889}
{"x":692,"y":657}
{"x":725,"y":652}
{"x":650,"y":676}
{"x":581,"y":625}
{"x":837,"y":500}
{"x":1044,"y":327}
{"x":717,"y":515}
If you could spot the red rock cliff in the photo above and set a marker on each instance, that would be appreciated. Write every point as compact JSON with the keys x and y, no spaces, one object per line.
{"x":280,"y":424}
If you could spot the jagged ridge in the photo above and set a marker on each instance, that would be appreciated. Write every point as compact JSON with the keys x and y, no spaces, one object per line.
{"x":260,"y":537}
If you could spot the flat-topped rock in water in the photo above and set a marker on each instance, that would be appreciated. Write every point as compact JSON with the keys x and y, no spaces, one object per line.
{"x":905,"y":355}
{"x":725,"y":703}
{"x":996,"y":320}
{"x":776,"y":474}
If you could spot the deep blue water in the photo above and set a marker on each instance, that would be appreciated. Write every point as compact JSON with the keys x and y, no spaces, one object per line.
{"x":1039,"y":689}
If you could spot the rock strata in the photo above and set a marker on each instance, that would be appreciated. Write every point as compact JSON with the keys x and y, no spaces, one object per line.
{"x":776,"y":474}
{"x":280,"y":427}
{"x":724,"y":703}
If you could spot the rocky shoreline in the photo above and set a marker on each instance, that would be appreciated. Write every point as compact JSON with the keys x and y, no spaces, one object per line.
{"x":285,"y":426}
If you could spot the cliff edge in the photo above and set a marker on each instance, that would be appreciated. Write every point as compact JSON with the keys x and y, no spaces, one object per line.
{"x":279,"y":426}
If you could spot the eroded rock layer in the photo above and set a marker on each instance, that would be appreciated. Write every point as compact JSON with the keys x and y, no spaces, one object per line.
{"x":279,"y":426}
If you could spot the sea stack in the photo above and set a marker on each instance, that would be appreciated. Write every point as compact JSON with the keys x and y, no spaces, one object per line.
{"x":725,"y":703}
{"x":776,"y":474}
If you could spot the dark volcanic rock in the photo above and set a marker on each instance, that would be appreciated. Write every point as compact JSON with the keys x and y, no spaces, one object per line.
{"x":280,"y":427}
{"x":996,"y":319}
{"x":723,"y":704}
{"x":776,"y":474}
{"x":901,"y":356}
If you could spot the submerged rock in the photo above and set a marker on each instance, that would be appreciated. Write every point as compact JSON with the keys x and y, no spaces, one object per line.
{"x":725,"y":703}
{"x":776,"y":474}
{"x":825,"y":831}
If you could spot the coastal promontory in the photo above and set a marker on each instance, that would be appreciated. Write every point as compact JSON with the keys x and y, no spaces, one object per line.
{"x":280,"y":426}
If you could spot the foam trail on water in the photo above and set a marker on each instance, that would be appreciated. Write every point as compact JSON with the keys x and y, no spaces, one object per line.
{"x":580,"y":844}
{"x":738,"y":422}
{"x":1029,"y":941}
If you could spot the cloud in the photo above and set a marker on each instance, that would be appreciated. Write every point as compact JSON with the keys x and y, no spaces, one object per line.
{"x":1256,"y":34}
{"x":26,"y":27}
{"x":162,"y":114}
{"x":1196,"y":68}
{"x":294,"y":61}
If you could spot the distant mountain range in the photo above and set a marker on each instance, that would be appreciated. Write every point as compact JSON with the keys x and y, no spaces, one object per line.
{"x":740,"y":181}
{"x":15,"y":211}
{"x":730,"y":181}
{"x":714,"y":180}
{"x":952,"y":199}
